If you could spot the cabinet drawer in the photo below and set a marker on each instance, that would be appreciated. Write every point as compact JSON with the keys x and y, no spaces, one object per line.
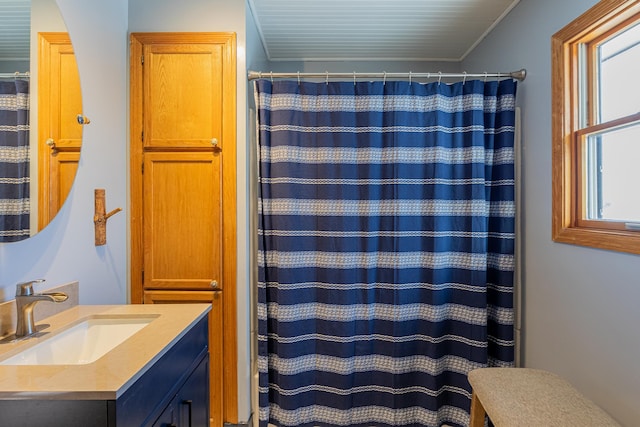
{"x":55,"y":413}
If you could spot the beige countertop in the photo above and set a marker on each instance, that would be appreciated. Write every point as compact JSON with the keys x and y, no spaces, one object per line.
{"x":112,"y":374}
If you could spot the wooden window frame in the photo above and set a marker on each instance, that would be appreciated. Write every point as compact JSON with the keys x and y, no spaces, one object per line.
{"x":568,"y":223}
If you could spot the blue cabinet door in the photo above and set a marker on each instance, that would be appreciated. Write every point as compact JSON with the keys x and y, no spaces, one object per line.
{"x":190,"y":406}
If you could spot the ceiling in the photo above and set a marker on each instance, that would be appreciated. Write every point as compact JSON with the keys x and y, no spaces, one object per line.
{"x":410,"y":30}
{"x":15,"y":28}
{"x":326,"y":30}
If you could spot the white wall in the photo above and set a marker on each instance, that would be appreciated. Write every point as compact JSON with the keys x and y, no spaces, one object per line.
{"x":217,"y":15}
{"x":581,"y":312}
{"x":65,"y":250}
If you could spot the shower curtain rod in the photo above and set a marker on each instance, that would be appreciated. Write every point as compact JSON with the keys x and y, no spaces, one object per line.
{"x":518,"y":75}
{"x":14,"y":75}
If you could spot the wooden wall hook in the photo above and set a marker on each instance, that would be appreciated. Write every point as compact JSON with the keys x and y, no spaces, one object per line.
{"x":101,"y":216}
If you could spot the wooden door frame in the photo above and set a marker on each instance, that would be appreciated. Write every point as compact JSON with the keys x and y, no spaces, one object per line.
{"x":229,"y":299}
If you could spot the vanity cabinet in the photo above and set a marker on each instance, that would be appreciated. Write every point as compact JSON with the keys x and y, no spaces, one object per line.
{"x":175,"y":389}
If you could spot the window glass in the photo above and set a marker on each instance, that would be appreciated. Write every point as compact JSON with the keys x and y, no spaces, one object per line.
{"x":619,"y":61}
{"x":613,"y":174}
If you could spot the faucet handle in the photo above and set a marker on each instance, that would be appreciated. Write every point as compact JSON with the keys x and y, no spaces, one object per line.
{"x":26,"y":288}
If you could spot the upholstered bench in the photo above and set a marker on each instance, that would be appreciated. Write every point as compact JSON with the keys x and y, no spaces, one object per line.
{"x":530,"y":397}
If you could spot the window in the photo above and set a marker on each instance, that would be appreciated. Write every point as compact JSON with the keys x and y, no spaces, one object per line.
{"x":596,"y":128}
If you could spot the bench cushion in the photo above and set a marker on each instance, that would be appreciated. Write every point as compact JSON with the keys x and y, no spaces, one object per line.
{"x":532,"y":397}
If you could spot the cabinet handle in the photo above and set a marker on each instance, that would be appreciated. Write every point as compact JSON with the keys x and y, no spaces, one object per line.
{"x":214,"y":284}
{"x":188,"y":403}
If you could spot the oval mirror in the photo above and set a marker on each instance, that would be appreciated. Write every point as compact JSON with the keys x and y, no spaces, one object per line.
{"x":40,"y":99}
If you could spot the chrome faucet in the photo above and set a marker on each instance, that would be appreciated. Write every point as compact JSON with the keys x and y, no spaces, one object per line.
{"x":26,"y":300}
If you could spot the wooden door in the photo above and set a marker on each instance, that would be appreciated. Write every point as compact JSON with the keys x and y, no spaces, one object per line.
{"x":215,"y":339}
{"x":183,"y":168}
{"x":59,"y":133}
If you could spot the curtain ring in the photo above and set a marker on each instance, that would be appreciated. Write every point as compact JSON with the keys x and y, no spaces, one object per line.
{"x":354,"y":78}
{"x":298,"y":78}
{"x":409,"y":78}
{"x":439,"y":77}
{"x":272,"y":77}
{"x":384,"y":78}
{"x":485,"y":76}
{"x":464,"y":79}
{"x":327,"y":79}
{"x":259,"y":74}
{"x":428,"y":76}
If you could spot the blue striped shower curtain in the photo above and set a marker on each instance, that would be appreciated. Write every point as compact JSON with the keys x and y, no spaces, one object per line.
{"x":386,"y":249}
{"x":14,"y":160}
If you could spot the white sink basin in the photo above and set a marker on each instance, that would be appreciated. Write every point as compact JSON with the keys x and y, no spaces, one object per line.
{"x":80,"y":344}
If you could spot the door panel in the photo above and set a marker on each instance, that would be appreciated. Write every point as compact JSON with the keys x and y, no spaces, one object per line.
{"x":69,"y":99}
{"x":62,"y":172}
{"x":183,"y":221}
{"x":182,"y":87}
